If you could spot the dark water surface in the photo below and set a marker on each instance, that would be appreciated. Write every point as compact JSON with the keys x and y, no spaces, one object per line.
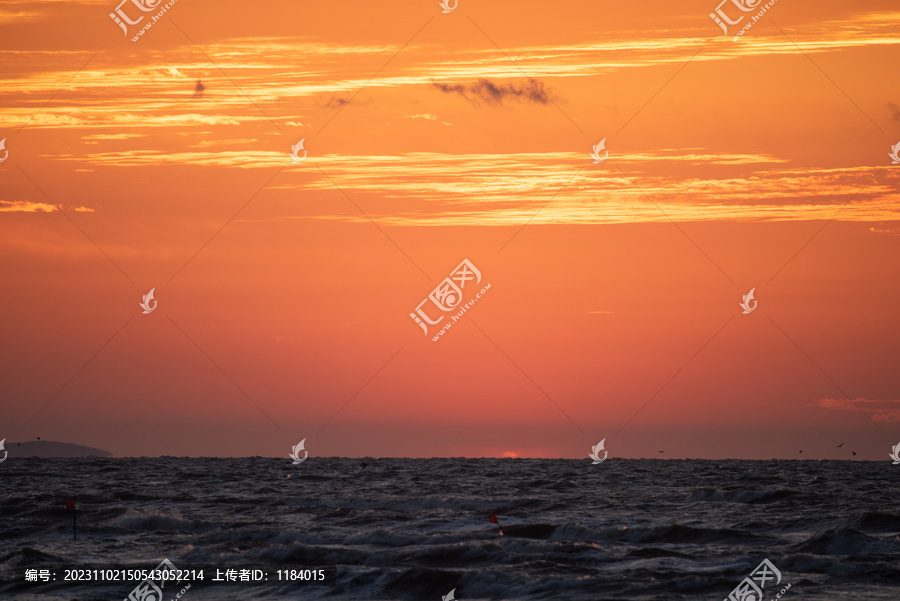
{"x":416,"y":528}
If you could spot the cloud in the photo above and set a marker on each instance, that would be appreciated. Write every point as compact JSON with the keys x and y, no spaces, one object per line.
{"x":20,"y":17}
{"x":282,"y":337}
{"x":113,"y":136}
{"x":220,"y":143}
{"x":484,"y":90}
{"x":506,"y":189}
{"x":26,"y":206}
{"x":878,"y":410}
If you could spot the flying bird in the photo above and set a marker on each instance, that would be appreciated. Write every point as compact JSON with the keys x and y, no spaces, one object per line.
{"x":449,"y":596}
{"x":839,"y":446}
{"x":854,"y":452}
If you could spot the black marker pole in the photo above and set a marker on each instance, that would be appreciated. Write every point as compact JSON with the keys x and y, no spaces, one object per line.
{"x":70,"y":504}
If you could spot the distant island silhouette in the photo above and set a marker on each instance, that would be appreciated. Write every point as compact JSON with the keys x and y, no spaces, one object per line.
{"x":47,"y":448}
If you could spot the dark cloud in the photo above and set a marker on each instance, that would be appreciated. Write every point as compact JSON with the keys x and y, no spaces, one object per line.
{"x":895,"y":111}
{"x":336,"y":102}
{"x":484,"y":90}
{"x":198,"y":89}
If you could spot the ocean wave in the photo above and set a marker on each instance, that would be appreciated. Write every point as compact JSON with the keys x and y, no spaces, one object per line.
{"x":878,"y":522}
{"x":414,"y":529}
{"x":740,"y":496}
{"x":28,"y":556}
{"x":138,"y":520}
{"x":846,"y":541}
{"x":678,"y":534}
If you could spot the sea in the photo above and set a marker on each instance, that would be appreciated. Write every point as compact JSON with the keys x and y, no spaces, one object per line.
{"x":420,"y":529}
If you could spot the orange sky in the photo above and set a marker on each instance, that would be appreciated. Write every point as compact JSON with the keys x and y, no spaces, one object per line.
{"x":285,"y":289}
